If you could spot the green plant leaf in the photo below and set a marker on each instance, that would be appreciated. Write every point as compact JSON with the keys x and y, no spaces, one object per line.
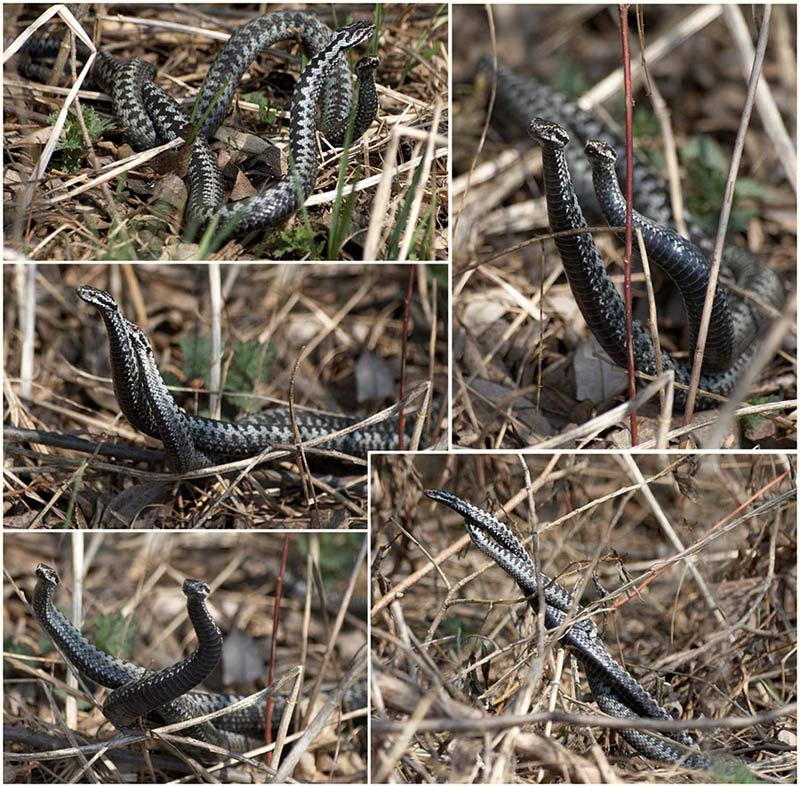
{"x":115,"y":634}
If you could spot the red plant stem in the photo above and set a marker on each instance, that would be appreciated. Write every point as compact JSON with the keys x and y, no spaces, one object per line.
{"x":412,"y":269}
{"x":626,"y":65}
{"x":273,"y":645}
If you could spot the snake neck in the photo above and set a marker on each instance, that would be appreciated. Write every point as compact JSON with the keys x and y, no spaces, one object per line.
{"x":680,"y":259}
{"x":137,"y":699}
{"x":91,"y":662}
{"x":172,"y":423}
{"x":364,"y":112}
{"x":125,"y":376}
{"x":594,"y":292}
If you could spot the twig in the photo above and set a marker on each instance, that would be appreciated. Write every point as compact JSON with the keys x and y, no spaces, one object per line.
{"x":626,"y":65}
{"x":412,"y":269}
{"x":495,"y":723}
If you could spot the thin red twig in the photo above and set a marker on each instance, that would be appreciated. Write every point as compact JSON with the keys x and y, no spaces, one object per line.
{"x":626,"y":65}
{"x":401,"y":420}
{"x":273,"y":645}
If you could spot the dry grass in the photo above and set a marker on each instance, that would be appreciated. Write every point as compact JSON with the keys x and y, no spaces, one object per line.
{"x":131,"y":591}
{"x":339,"y":320}
{"x":136,"y":214}
{"x":520,"y":342}
{"x":711,"y":608}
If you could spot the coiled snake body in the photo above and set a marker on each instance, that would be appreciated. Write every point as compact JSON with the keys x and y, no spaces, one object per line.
{"x":615,"y":690}
{"x":166,"y":696}
{"x":191,"y":441}
{"x":573,"y":180}
{"x":153,"y":118}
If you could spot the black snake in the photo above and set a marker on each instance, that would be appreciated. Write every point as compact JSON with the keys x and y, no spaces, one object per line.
{"x":192,"y":442}
{"x":615,"y":690}
{"x":152,"y":117}
{"x":166,"y":696}
{"x":573,"y":180}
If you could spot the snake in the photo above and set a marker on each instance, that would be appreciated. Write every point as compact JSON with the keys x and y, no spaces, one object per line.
{"x":615,"y":690}
{"x":576,"y":180}
{"x":193,"y":442}
{"x":152,"y":117}
{"x":165,"y":696}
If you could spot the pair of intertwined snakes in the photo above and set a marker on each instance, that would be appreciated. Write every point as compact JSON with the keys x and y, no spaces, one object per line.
{"x":166,"y":696}
{"x":192,"y":442}
{"x":615,"y":690}
{"x":572,"y":181}
{"x":152,"y":117}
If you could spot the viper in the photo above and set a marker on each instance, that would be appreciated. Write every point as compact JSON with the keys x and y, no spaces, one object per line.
{"x":151,"y":117}
{"x":615,"y":690}
{"x":166,"y":696}
{"x":192,"y":442}
{"x":582,"y":159}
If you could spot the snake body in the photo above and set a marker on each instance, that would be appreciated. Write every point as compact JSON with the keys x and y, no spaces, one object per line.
{"x":135,"y":700}
{"x":574,"y":180}
{"x":152,"y":117}
{"x":615,"y":690}
{"x":192,"y":441}
{"x":166,"y":696}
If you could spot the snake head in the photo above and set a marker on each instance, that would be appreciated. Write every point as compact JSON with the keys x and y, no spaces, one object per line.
{"x":461,"y":507}
{"x":47,"y":573}
{"x":138,"y":338}
{"x":194,"y":588}
{"x":440,"y":496}
{"x":600,"y":152}
{"x":355,"y":33}
{"x":548,"y":133}
{"x":100,"y":299}
{"x":366,"y":65}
